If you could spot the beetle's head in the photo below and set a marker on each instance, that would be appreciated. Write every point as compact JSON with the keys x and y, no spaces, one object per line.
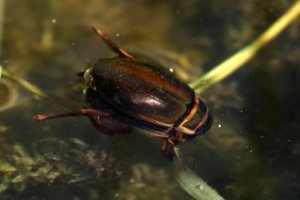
{"x":86,"y":75}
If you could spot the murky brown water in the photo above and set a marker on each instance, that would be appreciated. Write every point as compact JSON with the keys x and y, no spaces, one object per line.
{"x":251,"y":152}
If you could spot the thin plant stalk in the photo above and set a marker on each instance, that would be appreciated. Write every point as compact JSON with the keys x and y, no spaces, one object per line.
{"x":2,"y":4}
{"x":236,"y":61}
{"x":189,"y":181}
{"x":25,"y":84}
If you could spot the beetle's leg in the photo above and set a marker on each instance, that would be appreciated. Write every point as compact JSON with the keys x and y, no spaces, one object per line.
{"x":93,"y":115}
{"x":179,"y":138}
{"x":167,"y":147}
{"x":112,"y":45}
{"x":96,"y":121}
{"x":164,"y":148}
{"x":168,"y":144}
{"x":81,"y":112}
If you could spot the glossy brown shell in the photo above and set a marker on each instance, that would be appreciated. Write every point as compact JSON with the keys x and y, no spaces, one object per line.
{"x":141,"y":90}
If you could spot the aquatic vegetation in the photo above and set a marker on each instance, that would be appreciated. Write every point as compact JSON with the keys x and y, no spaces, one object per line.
{"x":8,"y":94}
{"x":218,"y":73}
{"x":147,"y":182}
{"x":53,"y":160}
{"x":254,"y":146}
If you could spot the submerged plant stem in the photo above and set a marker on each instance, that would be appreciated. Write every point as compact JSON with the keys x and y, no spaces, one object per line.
{"x":2,"y":5}
{"x":236,"y":61}
{"x":25,"y":84}
{"x":189,"y":181}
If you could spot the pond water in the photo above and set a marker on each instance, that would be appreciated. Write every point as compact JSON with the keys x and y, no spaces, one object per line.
{"x":252,"y":150}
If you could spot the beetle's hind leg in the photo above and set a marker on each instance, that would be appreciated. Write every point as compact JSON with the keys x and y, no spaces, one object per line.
{"x":113,"y":46}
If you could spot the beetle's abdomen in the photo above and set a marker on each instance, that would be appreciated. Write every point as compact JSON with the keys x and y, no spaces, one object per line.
{"x":201,"y":121}
{"x":141,"y":90}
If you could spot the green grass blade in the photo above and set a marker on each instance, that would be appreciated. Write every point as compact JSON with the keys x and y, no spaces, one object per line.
{"x":191,"y":183}
{"x":236,"y":61}
{"x":25,"y":84}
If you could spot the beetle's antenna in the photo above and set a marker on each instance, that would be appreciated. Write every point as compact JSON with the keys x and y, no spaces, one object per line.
{"x":112,"y":45}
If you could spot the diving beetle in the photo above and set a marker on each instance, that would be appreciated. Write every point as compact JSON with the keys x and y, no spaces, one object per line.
{"x":141,"y":95}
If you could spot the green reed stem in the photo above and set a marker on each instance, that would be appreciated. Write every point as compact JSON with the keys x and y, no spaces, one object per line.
{"x":25,"y":84}
{"x":236,"y":61}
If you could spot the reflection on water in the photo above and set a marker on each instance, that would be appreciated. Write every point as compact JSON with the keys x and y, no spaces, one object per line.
{"x":251,"y":152}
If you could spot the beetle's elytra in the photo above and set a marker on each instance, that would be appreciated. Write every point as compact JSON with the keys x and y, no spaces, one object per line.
{"x":142,"y":96}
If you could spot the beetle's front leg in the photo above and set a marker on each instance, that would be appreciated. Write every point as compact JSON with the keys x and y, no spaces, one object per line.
{"x":93,"y":115}
{"x":81,"y":112}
